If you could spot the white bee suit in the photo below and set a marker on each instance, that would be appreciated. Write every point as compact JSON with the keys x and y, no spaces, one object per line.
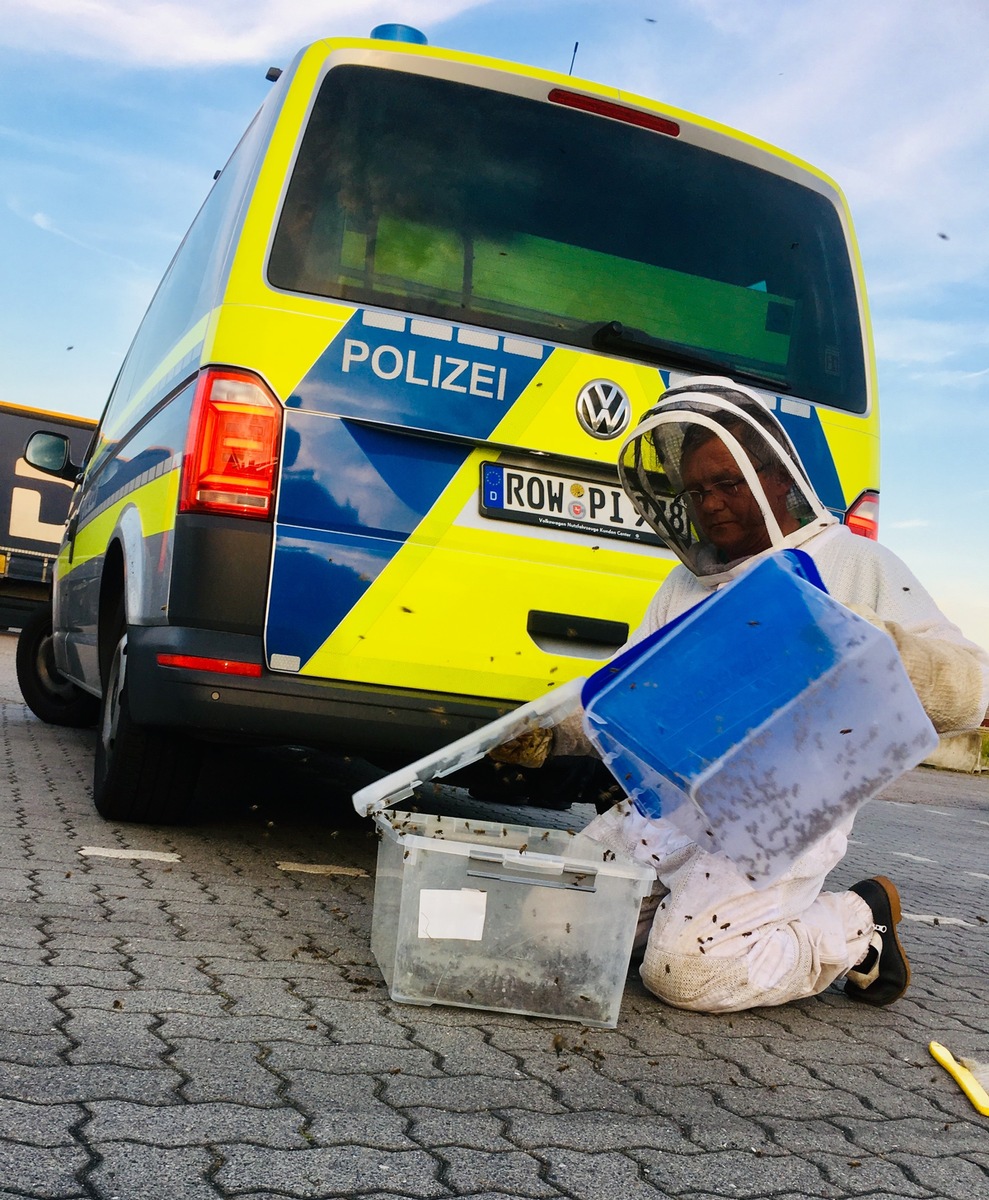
{"x":713,"y":942}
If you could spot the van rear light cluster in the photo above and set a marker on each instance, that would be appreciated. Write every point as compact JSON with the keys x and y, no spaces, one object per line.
{"x":863,"y":516}
{"x":231,"y":453}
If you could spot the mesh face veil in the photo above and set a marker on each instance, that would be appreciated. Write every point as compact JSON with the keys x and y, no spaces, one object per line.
{"x":714,"y":474}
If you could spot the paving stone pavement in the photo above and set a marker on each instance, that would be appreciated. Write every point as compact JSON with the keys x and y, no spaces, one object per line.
{"x":214,"y":1026}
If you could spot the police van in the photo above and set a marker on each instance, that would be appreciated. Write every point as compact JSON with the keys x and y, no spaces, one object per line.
{"x":355,"y":485}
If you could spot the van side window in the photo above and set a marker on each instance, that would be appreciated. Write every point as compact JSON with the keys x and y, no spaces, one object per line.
{"x":156,"y":362}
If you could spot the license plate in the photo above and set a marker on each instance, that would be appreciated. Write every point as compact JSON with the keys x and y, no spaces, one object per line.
{"x":560,"y":502}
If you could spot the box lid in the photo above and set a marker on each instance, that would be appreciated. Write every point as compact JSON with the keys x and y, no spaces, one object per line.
{"x":541,"y":713}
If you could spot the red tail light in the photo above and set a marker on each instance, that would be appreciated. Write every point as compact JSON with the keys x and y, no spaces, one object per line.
{"x":617,"y":112}
{"x":232,"y":448}
{"x":863,"y":516}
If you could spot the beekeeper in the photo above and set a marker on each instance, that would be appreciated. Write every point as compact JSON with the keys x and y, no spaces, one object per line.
{"x":714,"y":474}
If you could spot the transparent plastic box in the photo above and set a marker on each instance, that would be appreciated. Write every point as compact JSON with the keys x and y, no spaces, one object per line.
{"x":760,"y":719}
{"x":510,"y":918}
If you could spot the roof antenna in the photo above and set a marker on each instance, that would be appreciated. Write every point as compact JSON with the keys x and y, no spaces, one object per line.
{"x":574,"y":58}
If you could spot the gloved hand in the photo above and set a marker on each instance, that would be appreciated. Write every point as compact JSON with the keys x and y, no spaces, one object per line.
{"x":529,"y":749}
{"x":946,"y":677}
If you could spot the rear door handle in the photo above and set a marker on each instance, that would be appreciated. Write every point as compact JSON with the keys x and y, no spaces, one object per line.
{"x":572,"y":634}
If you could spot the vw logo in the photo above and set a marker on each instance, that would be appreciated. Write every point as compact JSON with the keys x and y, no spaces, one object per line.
{"x":603,"y":409}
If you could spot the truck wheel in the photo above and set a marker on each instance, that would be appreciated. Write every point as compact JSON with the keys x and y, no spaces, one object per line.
{"x":141,"y":774}
{"x":47,"y":693}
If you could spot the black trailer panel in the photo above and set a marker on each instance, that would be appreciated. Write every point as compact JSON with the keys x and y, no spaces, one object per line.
{"x":33,"y":509}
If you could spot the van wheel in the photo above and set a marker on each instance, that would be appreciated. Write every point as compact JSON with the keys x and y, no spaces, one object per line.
{"x":46,"y":691}
{"x":141,"y":774}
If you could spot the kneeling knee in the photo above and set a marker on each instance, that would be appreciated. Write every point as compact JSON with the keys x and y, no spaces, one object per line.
{"x":693,"y":981}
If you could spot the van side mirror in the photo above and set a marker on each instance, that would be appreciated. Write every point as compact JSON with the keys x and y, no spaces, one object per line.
{"x":51,"y":453}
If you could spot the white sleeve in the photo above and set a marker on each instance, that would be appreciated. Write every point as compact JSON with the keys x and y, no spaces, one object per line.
{"x":949,"y":673}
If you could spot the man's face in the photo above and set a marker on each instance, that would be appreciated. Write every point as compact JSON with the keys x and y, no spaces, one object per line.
{"x":734,"y":524}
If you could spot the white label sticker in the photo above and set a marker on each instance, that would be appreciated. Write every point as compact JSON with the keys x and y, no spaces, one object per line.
{"x":449,"y":913}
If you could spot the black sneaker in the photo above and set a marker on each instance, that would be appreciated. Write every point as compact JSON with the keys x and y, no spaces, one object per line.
{"x":884,"y":974}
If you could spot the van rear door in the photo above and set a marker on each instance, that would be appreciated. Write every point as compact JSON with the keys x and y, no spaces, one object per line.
{"x":476,"y":236}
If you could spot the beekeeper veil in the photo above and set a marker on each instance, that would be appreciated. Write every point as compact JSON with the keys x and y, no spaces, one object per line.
{"x":714,"y":474}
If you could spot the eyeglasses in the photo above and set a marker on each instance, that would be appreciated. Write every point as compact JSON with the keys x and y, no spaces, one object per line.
{"x":723,"y":489}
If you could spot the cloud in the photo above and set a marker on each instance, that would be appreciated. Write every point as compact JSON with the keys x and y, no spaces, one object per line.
{"x":90,"y":238}
{"x":44,"y":222}
{"x":911,"y":341}
{"x":175,"y":33}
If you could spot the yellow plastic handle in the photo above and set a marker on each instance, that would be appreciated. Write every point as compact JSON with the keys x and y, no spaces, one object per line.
{"x":963,"y":1077}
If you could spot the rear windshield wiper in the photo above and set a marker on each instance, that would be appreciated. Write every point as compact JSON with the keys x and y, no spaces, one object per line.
{"x":613,"y":335}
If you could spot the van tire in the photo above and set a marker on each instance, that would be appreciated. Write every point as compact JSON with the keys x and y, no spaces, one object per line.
{"x":47,"y":693}
{"x":140,"y":774}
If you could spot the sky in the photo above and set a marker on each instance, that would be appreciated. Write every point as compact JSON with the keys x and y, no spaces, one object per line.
{"x":115,"y":114}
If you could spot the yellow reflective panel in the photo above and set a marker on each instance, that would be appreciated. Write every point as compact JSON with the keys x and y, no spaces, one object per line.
{"x":156,"y":504}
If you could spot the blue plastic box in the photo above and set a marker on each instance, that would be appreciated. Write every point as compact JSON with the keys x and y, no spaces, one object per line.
{"x":759,"y":719}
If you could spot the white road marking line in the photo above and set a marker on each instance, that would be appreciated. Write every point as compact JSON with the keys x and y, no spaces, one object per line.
{"x":931,"y":919}
{"x":320,"y":869}
{"x":116,"y":852}
{"x":914,"y":857}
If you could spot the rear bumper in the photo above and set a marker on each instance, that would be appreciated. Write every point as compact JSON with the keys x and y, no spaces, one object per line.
{"x":382,"y":724}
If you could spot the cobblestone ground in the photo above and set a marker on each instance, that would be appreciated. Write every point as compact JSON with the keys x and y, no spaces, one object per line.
{"x":207,"y":1024}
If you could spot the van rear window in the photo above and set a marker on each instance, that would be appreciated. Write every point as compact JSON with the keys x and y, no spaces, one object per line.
{"x":484,"y":207}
